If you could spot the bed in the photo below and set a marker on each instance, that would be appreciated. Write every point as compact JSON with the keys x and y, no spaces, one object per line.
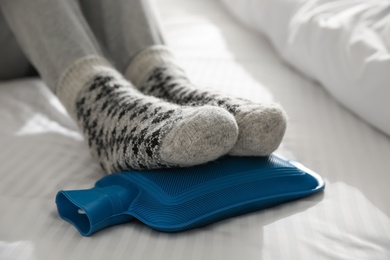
{"x":42,"y":152}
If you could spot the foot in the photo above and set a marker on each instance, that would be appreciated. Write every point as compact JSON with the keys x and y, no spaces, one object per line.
{"x":127,"y":130}
{"x":261,"y":126}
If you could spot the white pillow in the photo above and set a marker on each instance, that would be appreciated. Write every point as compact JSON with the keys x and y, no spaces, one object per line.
{"x":343,"y":44}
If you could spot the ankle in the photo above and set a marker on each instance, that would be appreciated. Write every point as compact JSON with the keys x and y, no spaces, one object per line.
{"x":148,"y":60}
{"x":76,"y":77}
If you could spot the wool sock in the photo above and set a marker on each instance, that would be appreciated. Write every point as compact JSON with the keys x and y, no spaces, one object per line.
{"x":127,"y":130}
{"x":261,"y":126}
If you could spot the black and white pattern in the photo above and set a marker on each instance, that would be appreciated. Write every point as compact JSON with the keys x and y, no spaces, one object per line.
{"x":126,"y":129}
{"x":123,"y":128}
{"x":261,"y":126}
{"x":170,"y":83}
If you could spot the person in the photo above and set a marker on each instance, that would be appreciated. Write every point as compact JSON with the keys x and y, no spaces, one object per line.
{"x":108,"y":64}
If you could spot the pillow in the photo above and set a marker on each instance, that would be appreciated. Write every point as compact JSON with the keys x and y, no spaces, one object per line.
{"x":343,"y":44}
{"x":178,"y":199}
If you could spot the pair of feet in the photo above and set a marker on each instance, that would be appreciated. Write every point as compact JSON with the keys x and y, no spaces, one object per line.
{"x":161,"y":119}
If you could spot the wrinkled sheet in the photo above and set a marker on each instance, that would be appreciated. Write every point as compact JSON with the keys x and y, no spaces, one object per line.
{"x":42,"y":152}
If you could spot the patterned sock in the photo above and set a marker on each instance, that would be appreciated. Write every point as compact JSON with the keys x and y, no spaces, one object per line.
{"x":261,"y":126}
{"x":127,"y":130}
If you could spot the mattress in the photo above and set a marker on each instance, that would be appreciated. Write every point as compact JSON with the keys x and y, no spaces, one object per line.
{"x":43,"y":152}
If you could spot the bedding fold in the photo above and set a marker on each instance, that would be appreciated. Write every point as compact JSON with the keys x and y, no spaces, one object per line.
{"x":342,"y":44}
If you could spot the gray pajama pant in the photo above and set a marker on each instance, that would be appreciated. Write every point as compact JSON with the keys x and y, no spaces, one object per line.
{"x":50,"y":35}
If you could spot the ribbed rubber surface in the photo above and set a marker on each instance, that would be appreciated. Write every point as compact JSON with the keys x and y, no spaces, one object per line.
{"x":173,"y":200}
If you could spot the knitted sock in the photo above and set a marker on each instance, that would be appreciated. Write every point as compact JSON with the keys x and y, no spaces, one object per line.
{"x":128,"y":130}
{"x":261,"y":126}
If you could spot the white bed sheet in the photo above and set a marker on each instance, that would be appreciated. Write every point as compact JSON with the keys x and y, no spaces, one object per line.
{"x":42,"y":152}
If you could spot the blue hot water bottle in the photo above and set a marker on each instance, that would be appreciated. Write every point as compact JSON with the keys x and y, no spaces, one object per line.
{"x":178,"y":199}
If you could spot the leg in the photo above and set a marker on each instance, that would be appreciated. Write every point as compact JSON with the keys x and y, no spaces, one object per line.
{"x":125,"y":27}
{"x":13,"y":62}
{"x":129,"y":26}
{"x":124,"y":128}
{"x":52,"y":34}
